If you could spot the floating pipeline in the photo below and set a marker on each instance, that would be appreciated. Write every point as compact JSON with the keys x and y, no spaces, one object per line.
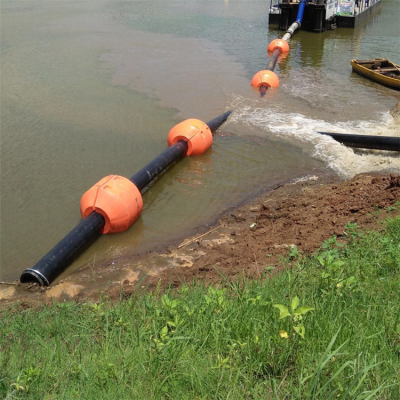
{"x":366,"y":141}
{"x":114,"y":203}
{"x":267,"y":78}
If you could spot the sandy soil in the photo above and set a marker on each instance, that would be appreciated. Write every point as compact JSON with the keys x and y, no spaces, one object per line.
{"x":246,"y":240}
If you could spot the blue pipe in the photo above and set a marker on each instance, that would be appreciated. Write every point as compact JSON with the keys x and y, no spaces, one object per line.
{"x":300,"y":12}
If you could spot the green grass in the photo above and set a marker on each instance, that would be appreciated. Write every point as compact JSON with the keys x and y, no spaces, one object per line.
{"x":225,"y":342}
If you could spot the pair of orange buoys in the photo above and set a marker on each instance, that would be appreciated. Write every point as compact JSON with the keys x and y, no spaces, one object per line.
{"x":266,"y":77}
{"x":117,"y":198}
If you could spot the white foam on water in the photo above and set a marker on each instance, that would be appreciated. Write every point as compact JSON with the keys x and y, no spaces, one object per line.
{"x":301,"y":131}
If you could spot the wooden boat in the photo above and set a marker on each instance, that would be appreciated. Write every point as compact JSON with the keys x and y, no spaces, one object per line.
{"x":380,"y":70}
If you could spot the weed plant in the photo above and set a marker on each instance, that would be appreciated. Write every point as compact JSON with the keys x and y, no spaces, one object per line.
{"x":328,"y":327}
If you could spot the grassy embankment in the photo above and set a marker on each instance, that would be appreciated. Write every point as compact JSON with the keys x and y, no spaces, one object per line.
{"x":206,"y":343}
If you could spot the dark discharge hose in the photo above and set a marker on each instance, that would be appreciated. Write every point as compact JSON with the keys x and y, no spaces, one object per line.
{"x":88,"y":230}
{"x":366,"y":141}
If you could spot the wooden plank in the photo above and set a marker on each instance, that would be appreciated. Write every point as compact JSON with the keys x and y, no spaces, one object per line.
{"x":371,"y":61}
{"x":387,"y":69}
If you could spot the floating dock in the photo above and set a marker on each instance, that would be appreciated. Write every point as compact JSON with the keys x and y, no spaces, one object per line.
{"x":322,"y":15}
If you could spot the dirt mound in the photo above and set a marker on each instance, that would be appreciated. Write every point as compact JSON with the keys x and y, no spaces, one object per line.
{"x":301,"y":215}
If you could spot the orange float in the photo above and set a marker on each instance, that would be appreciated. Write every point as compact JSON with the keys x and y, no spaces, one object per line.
{"x":117,"y":199}
{"x":280,"y":44}
{"x":265,"y":78}
{"x":193,"y":131}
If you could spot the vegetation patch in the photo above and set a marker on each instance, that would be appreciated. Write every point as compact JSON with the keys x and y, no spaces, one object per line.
{"x":327,"y":327}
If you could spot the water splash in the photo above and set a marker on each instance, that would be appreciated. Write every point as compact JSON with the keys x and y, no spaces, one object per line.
{"x":301,"y":131}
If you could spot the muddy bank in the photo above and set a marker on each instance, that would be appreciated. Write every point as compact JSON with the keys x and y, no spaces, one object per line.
{"x":302,"y":214}
{"x":246,"y":240}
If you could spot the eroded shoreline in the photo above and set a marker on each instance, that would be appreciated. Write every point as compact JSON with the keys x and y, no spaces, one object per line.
{"x":245,"y":240}
{"x":299,"y":214}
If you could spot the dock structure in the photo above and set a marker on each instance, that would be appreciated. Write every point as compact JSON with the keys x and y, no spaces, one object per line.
{"x":322,"y":15}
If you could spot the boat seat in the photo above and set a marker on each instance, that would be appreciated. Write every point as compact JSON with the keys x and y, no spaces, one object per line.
{"x":389,"y":69}
{"x":371,"y":61}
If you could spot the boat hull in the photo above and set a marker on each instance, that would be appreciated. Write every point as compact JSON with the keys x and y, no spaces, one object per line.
{"x":375,"y":76}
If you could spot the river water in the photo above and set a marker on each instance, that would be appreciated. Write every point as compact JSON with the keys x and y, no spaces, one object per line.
{"x":92,"y":88}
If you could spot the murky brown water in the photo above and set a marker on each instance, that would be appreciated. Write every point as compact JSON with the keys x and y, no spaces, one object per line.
{"x":92,"y":88}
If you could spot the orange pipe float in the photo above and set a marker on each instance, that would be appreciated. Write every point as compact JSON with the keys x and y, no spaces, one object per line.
{"x":117,"y":199}
{"x":265,"y":78}
{"x":193,"y":131}
{"x":280,"y":44}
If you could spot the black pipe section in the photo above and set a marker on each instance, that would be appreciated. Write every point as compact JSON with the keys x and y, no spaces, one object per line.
{"x":88,"y":230}
{"x":215,"y":123}
{"x":273,"y":59}
{"x":270,"y":67}
{"x":366,"y":141}
{"x":64,"y":253}
{"x":147,"y":174}
{"x":154,"y":168}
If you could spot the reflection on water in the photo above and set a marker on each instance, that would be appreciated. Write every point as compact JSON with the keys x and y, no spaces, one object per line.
{"x":92,"y":88}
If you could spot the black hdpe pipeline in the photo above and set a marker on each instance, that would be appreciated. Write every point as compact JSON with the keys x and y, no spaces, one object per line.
{"x":88,"y":230}
{"x":287,"y":36}
{"x":270,"y":67}
{"x":366,"y":141}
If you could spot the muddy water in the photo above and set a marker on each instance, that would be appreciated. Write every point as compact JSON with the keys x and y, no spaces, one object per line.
{"x":92,"y":88}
